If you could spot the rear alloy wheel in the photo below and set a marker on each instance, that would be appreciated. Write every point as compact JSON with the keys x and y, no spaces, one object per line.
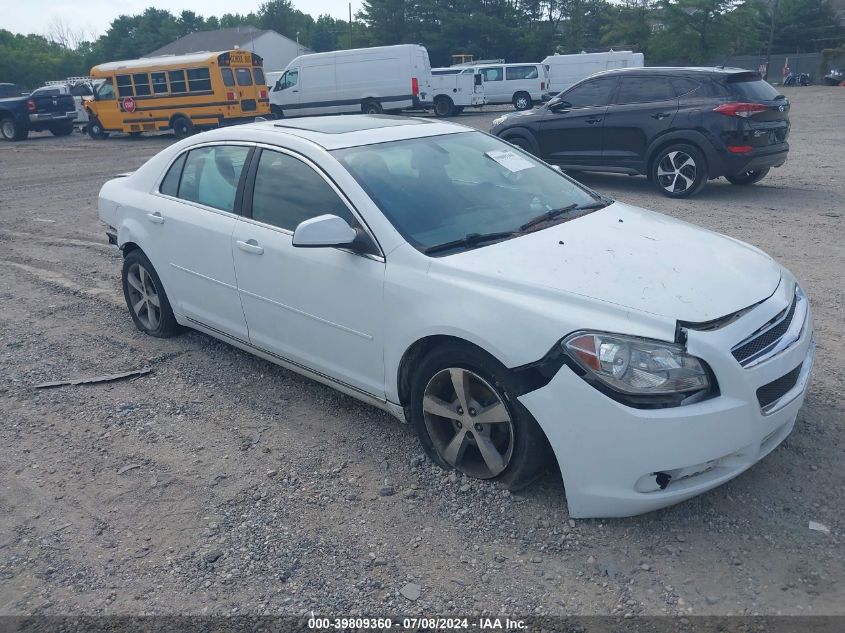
{"x":145,"y":297}
{"x":748,"y":177}
{"x":371,"y":107}
{"x":522,"y":101}
{"x":443,"y":106}
{"x":679,"y":171}
{"x":12,"y":130}
{"x":96,"y":130}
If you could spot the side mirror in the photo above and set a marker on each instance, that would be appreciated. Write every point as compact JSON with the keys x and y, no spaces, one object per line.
{"x":324,"y":231}
{"x":278,"y":86}
{"x":560,"y":106}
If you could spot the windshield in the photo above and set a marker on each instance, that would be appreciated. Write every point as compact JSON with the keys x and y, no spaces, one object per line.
{"x":438,"y":189}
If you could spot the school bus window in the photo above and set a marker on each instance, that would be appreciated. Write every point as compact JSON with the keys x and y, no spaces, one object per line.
{"x":124,"y":86}
{"x":228,"y":77}
{"x":177,"y":81}
{"x":105,"y":91}
{"x":259,"y":77}
{"x":244,"y":77}
{"x":142,"y":84}
{"x":199,"y":79}
{"x":159,"y":83}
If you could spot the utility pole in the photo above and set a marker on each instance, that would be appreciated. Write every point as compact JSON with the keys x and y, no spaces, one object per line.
{"x":350,"y":25}
{"x":771,"y":38}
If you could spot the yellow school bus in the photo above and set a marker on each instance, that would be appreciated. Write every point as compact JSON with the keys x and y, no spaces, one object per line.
{"x":183,"y":93}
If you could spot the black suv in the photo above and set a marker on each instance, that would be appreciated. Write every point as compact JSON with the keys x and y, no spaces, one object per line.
{"x":678,"y":126}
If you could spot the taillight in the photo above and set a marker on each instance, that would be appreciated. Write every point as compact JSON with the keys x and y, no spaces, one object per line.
{"x":262,"y":94}
{"x":230,"y":96}
{"x":415,"y":86}
{"x":743,"y":110}
{"x":30,"y":105}
{"x":740,"y":149}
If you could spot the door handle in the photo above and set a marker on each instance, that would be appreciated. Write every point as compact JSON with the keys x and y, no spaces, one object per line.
{"x":250,"y":246}
{"x":155,"y":218}
{"x":660,"y":115}
{"x":592,"y":121}
{"x":294,"y":90}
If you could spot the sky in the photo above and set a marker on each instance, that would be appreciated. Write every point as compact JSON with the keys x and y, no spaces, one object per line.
{"x":92,"y":17}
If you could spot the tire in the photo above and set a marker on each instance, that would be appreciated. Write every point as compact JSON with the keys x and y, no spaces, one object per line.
{"x":748,"y":177}
{"x":182,"y":127}
{"x":517,"y":451}
{"x":371,"y":107}
{"x":277,"y":112}
{"x":522,"y":101}
{"x":96,"y":130}
{"x":143,"y":288}
{"x":521,"y":142}
{"x":679,"y":171}
{"x":443,"y":106}
{"x":64,"y":129}
{"x":11,"y":130}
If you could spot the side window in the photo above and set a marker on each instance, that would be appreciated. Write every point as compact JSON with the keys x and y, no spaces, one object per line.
{"x":521,"y":72}
{"x":290,"y":78}
{"x":492,"y":74}
{"x":142,"y":84}
{"x":685,"y":87}
{"x":170,"y":184}
{"x":199,"y":80}
{"x":244,"y":76}
{"x":211,"y":174}
{"x":228,"y":77}
{"x":592,"y":93}
{"x":287,"y":192}
{"x":644,"y":90}
{"x":159,"y":82}
{"x":124,"y":86}
{"x":177,"y":81}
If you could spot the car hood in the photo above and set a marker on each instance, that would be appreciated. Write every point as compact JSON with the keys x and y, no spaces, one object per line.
{"x":630,"y":257}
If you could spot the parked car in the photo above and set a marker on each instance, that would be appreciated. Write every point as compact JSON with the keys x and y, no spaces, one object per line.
{"x":20,"y":114}
{"x":514,"y":317}
{"x":9,"y":90}
{"x":835,"y":77}
{"x":567,"y":70}
{"x":368,"y":80}
{"x":519,"y":84}
{"x":680,"y":127}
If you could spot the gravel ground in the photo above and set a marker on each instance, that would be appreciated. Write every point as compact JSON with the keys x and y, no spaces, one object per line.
{"x":220,"y":483}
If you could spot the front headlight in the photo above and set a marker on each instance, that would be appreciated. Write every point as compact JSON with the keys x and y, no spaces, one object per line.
{"x":637,"y":366}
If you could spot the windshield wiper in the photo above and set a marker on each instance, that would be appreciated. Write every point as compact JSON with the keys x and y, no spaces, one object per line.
{"x":553,"y":213}
{"x":468,"y":240}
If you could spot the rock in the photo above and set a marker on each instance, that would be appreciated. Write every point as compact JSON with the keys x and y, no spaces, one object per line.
{"x":713,"y":599}
{"x":464,"y":488}
{"x":591,"y":560}
{"x":379,"y":562}
{"x":411,"y":591}
{"x":272,"y":473}
{"x":386,"y":490}
{"x":572,"y":523}
{"x":417,"y":460}
{"x":645,"y":567}
{"x":212,"y":556}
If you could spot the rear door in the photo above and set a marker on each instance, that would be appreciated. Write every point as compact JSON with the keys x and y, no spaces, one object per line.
{"x":571,"y":131}
{"x":644,"y":108}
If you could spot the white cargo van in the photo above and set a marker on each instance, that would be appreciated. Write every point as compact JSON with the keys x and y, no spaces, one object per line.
{"x":369,"y":80}
{"x":453,"y":89}
{"x":519,"y":84}
{"x":566,"y":70}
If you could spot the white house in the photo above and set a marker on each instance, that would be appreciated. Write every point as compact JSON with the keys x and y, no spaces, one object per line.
{"x":276,"y":49}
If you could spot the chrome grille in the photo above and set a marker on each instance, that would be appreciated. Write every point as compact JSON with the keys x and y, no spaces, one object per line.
{"x":775,"y":336}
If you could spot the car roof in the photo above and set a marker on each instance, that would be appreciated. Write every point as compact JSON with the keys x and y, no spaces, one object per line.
{"x":674,"y":70}
{"x":349,"y":130}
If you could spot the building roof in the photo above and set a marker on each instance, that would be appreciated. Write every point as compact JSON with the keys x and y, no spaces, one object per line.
{"x":221,"y":39}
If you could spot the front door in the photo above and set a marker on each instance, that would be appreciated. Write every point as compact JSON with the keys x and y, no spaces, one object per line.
{"x":643,"y":108}
{"x":285,"y":94}
{"x":190,"y":236}
{"x":319,"y":308}
{"x":571,"y":132}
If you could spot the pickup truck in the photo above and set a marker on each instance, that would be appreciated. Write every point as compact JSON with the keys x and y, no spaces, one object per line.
{"x":20,"y":114}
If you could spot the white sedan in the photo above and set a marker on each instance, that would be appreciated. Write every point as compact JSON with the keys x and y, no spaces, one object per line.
{"x":515,"y":318}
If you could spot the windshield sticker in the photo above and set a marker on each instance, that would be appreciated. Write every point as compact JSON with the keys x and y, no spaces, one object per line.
{"x":509,"y":160}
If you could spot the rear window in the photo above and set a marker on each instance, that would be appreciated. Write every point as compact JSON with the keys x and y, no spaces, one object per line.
{"x":228,"y":76}
{"x":645,"y":90}
{"x":750,"y":87}
{"x":244,"y":77}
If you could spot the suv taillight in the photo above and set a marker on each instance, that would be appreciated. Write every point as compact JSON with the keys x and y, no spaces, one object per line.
{"x":30,"y":105}
{"x":743,"y":110}
{"x":415,"y":86}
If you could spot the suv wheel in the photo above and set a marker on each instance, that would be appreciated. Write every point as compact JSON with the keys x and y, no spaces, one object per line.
{"x":679,"y":171}
{"x":522,"y":101}
{"x":520,"y":142}
{"x":748,"y":177}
